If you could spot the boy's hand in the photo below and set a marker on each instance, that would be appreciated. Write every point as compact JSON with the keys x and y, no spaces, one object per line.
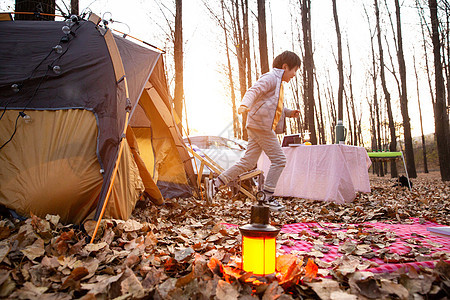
{"x":242,"y":109}
{"x":295,"y":113}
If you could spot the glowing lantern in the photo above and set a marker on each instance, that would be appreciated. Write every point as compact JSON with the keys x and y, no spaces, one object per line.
{"x":259,"y":242}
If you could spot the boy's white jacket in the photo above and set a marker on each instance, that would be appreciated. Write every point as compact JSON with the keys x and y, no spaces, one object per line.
{"x":262,"y":101}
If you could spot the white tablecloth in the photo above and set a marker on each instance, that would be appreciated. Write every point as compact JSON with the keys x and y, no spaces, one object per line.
{"x":322,"y":172}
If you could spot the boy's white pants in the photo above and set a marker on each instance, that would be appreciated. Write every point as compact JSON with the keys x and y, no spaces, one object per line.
{"x":258,"y":141}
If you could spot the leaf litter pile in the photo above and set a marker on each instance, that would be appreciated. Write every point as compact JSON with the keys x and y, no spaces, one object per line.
{"x":185,"y":249}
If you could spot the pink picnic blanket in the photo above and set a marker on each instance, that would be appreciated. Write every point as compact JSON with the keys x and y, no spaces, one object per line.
{"x":403,"y":238}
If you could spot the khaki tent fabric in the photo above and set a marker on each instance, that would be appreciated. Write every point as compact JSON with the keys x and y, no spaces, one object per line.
{"x":51,"y":166}
{"x":55,"y":167}
{"x":150,"y":187}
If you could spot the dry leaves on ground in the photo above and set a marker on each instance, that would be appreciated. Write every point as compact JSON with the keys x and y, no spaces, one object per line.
{"x":183,"y":250}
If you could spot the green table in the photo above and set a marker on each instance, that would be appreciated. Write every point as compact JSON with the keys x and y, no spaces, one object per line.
{"x":385,"y":156}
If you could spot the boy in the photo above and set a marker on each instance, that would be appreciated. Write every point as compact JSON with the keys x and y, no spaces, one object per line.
{"x":264,"y":104}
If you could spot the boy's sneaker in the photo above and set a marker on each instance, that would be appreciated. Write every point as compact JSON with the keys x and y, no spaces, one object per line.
{"x":273,"y":204}
{"x":210,"y":189}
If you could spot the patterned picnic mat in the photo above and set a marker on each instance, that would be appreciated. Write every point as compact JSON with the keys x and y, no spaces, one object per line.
{"x":391,"y":246}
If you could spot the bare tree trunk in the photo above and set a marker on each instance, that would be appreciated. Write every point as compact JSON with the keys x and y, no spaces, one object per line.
{"x":376,"y":138}
{"x":43,"y":6}
{"x":424,"y":147}
{"x":244,"y":4}
{"x":178,"y":58}
{"x":423,"y":24}
{"x":254,"y":54}
{"x":271,"y":31}
{"x":74,"y":7}
{"x":373,"y":135}
{"x":239,"y":46}
{"x":447,"y":66}
{"x":331,"y":108}
{"x":347,"y":109}
{"x":387,"y":95}
{"x":263,"y":56}
{"x":308,"y":69}
{"x":440,"y":114}
{"x":239,"y":43}
{"x":409,"y":151}
{"x":320,"y":120}
{"x":236,"y":125}
{"x":352,"y":99}
{"x":340,"y":64}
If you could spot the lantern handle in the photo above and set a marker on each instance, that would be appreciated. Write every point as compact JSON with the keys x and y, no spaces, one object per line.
{"x":260,"y":196}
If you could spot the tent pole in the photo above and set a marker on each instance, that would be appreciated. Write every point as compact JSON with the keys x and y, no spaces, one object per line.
{"x":116,"y":165}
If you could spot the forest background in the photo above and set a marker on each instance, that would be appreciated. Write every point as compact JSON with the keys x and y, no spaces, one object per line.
{"x":354,"y":58}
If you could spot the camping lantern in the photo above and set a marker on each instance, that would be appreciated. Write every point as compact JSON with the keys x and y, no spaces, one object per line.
{"x":259,"y":242}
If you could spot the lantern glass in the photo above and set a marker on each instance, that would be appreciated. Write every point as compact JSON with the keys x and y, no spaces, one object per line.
{"x":259,"y":255}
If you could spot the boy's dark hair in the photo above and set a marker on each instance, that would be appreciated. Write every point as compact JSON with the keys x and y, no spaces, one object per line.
{"x":287,"y":57}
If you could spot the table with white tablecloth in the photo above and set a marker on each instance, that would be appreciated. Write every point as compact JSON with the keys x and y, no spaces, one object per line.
{"x":322,"y":172}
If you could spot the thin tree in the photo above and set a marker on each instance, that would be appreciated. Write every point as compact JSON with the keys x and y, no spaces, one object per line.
{"x":409,"y":151}
{"x":239,"y":42}
{"x":308,"y":69}
{"x":352,"y":98}
{"x":331,"y":106}
{"x":247,"y":58}
{"x":423,"y":25}
{"x":340,"y":64}
{"x":178,"y":59}
{"x":424,"y":147}
{"x":375,"y":111}
{"x":74,"y":7}
{"x":236,"y":125}
{"x":440,"y":114}
{"x":263,"y":53}
{"x":387,"y":95}
{"x":223,"y":22}
{"x":320,"y":120}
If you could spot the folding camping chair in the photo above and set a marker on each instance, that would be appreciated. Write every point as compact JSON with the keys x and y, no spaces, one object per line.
{"x":216,"y":169}
{"x":388,"y":156}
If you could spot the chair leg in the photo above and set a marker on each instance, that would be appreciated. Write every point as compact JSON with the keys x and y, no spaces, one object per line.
{"x":406,"y":171}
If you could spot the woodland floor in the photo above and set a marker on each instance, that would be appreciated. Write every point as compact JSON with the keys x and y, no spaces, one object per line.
{"x":184,"y":250}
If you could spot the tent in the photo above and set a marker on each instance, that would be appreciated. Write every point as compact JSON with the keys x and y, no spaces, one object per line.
{"x":69,"y":91}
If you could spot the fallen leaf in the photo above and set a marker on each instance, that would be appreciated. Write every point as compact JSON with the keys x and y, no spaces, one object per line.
{"x":273,"y":291}
{"x":132,"y":225}
{"x":310,"y":270}
{"x":35,"y":250}
{"x":130,"y":285}
{"x":184,"y":254}
{"x":4,"y":249}
{"x":53,"y":219}
{"x":29,"y":291}
{"x":95,"y":247}
{"x":226,"y":291}
{"x":73,"y":280}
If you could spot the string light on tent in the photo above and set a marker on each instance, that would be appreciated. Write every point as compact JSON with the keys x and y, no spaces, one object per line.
{"x":16,"y":87}
{"x":25,"y":117}
{"x":69,"y":22}
{"x":58,"y":49}
{"x":66,"y":30}
{"x":57,"y":70}
{"x":75,"y":19}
